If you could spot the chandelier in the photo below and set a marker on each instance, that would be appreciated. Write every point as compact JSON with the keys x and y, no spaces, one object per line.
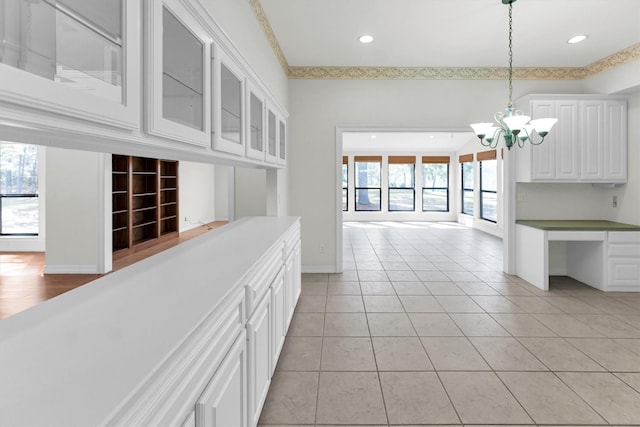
{"x":515,"y":127}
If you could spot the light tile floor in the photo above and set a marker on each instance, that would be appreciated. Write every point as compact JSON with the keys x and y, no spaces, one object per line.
{"x":423,"y":328}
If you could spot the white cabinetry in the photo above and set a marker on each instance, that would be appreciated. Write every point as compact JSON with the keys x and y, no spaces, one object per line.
{"x":178,"y":57}
{"x":80,"y":59}
{"x":204,"y":364}
{"x":588,"y":144}
{"x":280,"y":315}
{"x":624,"y":261}
{"x":255,"y":123}
{"x":229,"y":105}
{"x":282,"y":142}
{"x":224,"y":402}
{"x":615,"y":141}
{"x":153,"y":78}
{"x":271,"y":151}
{"x":259,"y":332}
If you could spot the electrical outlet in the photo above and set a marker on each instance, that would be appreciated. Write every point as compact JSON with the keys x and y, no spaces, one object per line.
{"x":185,"y":219}
{"x":322,"y":249}
{"x":615,"y":202}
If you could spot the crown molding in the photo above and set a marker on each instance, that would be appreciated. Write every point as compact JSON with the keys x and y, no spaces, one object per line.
{"x":615,"y":60}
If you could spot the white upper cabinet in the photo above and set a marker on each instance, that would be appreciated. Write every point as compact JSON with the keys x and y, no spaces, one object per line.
{"x":615,"y":147}
{"x":588,"y":144}
{"x":255,"y":123}
{"x":178,"y":92}
{"x":272,"y":136}
{"x":228,"y":112}
{"x":78,"y":58}
{"x":282,"y":142}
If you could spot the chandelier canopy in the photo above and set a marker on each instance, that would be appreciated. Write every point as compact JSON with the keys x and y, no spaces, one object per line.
{"x":514,"y":127}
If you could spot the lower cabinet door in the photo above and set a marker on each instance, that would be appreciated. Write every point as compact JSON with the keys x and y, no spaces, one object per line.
{"x":224,"y":401}
{"x":279,"y":317}
{"x":259,"y":332}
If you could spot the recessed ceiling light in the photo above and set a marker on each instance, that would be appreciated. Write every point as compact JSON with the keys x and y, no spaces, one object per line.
{"x":373,"y":136}
{"x":576,"y":39}
{"x":366,"y":38}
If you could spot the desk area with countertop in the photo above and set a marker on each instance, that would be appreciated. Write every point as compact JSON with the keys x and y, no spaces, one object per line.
{"x":602,"y":254}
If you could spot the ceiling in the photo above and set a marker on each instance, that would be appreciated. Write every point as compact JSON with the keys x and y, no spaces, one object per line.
{"x":448,"y":33}
{"x":404,"y":142}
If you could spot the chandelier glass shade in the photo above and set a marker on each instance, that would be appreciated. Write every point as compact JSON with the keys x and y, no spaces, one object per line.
{"x":512,"y":125}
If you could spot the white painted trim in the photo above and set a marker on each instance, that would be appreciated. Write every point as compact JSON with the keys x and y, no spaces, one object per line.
{"x":22,"y":244}
{"x":318,"y":268}
{"x":156,"y":124}
{"x":220,"y":143}
{"x":71,"y":269}
{"x":251,"y":89}
{"x":338,"y":200}
{"x":103,"y":214}
{"x":19,"y":87}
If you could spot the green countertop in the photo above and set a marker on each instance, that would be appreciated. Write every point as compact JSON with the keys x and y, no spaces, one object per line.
{"x":577,"y":225}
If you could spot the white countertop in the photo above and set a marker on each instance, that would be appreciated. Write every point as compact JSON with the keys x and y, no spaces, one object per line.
{"x":77,"y":357}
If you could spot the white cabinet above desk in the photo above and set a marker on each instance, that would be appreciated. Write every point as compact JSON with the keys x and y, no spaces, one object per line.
{"x":602,"y":254}
{"x":588,"y":144}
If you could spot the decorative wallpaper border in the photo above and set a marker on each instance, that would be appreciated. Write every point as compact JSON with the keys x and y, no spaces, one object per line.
{"x":268,"y":31}
{"x":625,"y":56}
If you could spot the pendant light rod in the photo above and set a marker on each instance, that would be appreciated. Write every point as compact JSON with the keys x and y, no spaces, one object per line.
{"x":514,"y":127}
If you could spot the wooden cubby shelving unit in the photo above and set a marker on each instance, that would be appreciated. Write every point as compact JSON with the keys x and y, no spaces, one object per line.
{"x":145,"y":202}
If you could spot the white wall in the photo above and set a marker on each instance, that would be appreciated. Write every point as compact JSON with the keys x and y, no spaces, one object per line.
{"x":77,"y":210}
{"x":250,"y":192}
{"x":222,"y":192}
{"x":239,"y":22}
{"x":196,"y":183}
{"x":318,"y":106}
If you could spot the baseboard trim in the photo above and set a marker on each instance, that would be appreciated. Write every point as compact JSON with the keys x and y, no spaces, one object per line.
{"x":318,"y":269}
{"x":70,"y":269}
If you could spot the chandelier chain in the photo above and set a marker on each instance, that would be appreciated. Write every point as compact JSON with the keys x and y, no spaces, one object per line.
{"x":510,"y":55}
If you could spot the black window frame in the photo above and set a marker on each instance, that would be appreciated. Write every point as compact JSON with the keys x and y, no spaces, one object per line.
{"x":447,"y":190}
{"x":413,"y":189}
{"x":15,"y":196}
{"x":345,"y":188}
{"x":465,"y":190}
{"x":483,"y":191}
{"x":356,"y":188}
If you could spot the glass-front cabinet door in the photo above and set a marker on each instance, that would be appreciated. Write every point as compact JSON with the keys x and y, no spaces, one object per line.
{"x":272,"y":137}
{"x":228,"y":100}
{"x":79,"y":58}
{"x":255,"y":124}
{"x":282,"y":142}
{"x":178,"y":91}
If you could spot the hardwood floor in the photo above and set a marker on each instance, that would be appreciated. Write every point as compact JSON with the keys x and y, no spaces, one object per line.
{"x":23,"y":284}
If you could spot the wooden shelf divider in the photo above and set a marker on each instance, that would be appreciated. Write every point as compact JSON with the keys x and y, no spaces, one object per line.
{"x":145,"y":202}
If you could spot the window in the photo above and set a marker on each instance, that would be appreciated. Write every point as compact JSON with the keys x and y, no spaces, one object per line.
{"x":368,"y":180}
{"x":402,"y":183}
{"x":345,"y":183}
{"x":488,"y":186}
{"x":466,"y":168}
{"x":18,"y":190}
{"x":435,"y":183}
